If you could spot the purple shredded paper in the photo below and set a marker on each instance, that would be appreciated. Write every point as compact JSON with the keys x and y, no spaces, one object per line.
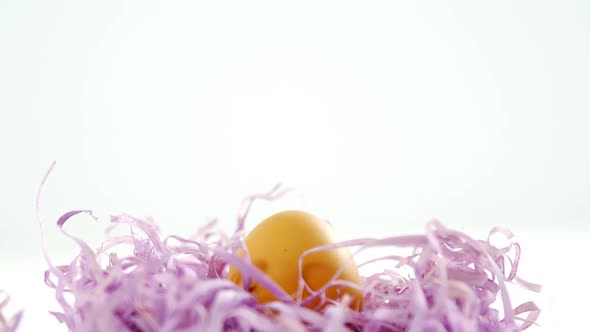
{"x":176,"y":283}
{"x":10,"y":324}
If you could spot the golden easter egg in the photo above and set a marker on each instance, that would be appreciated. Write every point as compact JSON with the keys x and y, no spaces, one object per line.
{"x":275,"y":246}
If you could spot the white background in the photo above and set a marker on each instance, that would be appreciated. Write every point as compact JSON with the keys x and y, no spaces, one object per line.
{"x":385,"y":114}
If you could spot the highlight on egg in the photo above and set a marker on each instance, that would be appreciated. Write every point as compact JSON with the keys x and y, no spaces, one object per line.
{"x":275,"y":246}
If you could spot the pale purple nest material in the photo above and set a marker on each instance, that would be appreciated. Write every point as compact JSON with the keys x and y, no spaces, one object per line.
{"x":8,"y":324}
{"x":179,"y":284}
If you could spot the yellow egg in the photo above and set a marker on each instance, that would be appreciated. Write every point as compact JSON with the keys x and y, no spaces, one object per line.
{"x":275,"y":246}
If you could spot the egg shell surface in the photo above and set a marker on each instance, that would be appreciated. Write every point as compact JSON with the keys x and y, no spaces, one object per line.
{"x":275,"y":246}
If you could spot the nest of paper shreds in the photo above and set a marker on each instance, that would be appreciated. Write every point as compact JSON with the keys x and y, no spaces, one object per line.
{"x":175,"y":283}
